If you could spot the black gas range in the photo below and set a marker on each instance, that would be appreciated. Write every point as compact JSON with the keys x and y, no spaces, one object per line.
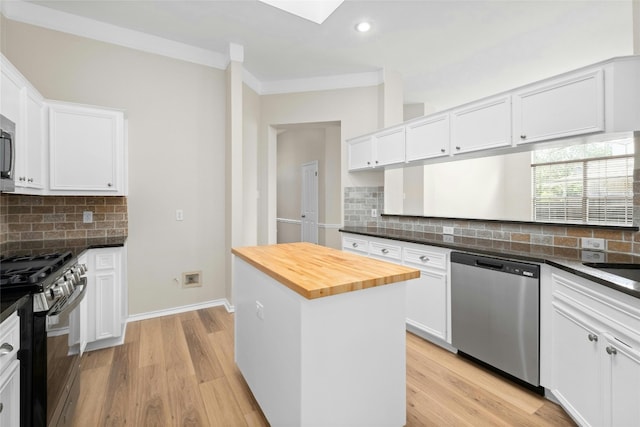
{"x":55,"y":284}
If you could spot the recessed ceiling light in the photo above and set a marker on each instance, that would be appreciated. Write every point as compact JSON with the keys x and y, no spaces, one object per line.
{"x":363,"y":27}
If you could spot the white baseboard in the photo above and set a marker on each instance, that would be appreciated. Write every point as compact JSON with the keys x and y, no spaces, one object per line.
{"x":182,"y":309}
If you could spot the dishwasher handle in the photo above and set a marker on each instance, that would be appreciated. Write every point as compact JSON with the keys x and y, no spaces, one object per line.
{"x":489,"y":264}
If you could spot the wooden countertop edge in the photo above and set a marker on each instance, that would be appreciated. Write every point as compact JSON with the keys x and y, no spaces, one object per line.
{"x":347,"y":286}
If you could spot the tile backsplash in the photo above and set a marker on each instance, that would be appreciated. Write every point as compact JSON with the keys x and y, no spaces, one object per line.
{"x":24,"y":217}
{"x":359,"y":201}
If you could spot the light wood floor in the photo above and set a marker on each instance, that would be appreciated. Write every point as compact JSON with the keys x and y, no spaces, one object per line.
{"x":179,"y":371}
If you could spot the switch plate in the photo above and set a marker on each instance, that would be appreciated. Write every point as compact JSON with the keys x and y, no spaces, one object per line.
{"x":179,"y":215}
{"x":87,"y":217}
{"x":374,"y":213}
{"x":589,"y":243}
{"x":447,"y":230}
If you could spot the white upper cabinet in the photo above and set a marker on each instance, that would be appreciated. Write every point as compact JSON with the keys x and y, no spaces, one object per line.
{"x":560,"y":108}
{"x":481,"y":125}
{"x":360,"y":153}
{"x":427,"y":138}
{"x":380,"y":149}
{"x":87,"y":150}
{"x":30,"y":149}
{"x":388,"y":146}
{"x":11,"y":84}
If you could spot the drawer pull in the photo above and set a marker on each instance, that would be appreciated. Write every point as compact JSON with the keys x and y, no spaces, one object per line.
{"x":593,"y":337}
{"x":424,"y":258}
{"x":612,"y":351}
{"x":354,"y":244}
{"x":5,"y":348}
{"x":384,"y":251}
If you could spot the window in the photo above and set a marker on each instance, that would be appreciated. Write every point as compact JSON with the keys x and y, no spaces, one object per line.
{"x":590,"y":183}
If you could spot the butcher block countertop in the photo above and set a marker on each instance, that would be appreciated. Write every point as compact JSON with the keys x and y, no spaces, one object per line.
{"x":315,"y":271}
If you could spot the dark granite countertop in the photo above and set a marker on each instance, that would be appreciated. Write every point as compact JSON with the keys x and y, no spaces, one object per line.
{"x":77,"y":246}
{"x":568,"y":259}
{"x":9,"y":304}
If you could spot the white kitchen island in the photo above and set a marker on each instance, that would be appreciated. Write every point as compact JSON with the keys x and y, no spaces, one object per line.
{"x":320,"y":335}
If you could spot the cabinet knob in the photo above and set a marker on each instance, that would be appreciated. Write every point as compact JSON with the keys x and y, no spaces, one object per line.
{"x":30,"y":180}
{"x":424,"y":258}
{"x":5,"y":348}
{"x":368,"y":163}
{"x":523,"y":136}
{"x":593,"y":338}
{"x":22,"y":178}
{"x":457,"y":148}
{"x":384,"y":251}
{"x":442,"y":150}
{"x":109,"y":184}
{"x":304,"y":216}
{"x":612,"y":351}
{"x":354,"y":244}
{"x":376,"y":162}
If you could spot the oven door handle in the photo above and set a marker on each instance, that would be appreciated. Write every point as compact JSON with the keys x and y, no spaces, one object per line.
{"x":74,"y":300}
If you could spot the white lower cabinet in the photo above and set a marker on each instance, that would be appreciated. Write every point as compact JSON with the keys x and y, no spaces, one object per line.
{"x":428,"y":297}
{"x":10,"y":371}
{"x":102,"y":314}
{"x":595,"y":352}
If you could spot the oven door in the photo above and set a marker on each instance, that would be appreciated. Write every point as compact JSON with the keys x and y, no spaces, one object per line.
{"x":63,"y":362}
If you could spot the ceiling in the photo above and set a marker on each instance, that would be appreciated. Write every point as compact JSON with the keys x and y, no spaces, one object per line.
{"x":448,"y":52}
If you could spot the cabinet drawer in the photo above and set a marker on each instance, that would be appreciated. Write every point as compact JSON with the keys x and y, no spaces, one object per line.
{"x":353,"y":244}
{"x":9,"y":339}
{"x":421,"y":259}
{"x":382,"y":250}
{"x":105,"y":261}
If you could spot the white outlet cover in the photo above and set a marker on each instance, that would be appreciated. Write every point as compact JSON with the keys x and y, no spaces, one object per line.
{"x":447,"y":230}
{"x":87,"y":217}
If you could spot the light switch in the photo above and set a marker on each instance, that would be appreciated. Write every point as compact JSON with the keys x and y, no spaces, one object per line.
{"x":179,"y":215}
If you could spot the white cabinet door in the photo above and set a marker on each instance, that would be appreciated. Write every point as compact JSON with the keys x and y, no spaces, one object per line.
{"x":427,"y":138}
{"x":388,"y":147}
{"x":11,"y":85}
{"x":86,"y":147}
{"x":576,"y":367}
{"x":30,"y":154}
{"x":623,"y":365}
{"x":10,"y":395}
{"x":360,"y":153}
{"x":427,"y":303}
{"x":565,"y":107}
{"x":482,"y":125}
{"x":107,"y":295}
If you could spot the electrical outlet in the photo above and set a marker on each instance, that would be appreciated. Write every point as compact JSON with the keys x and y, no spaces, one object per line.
{"x":592,"y":256}
{"x":259,"y":310}
{"x":447,"y":238}
{"x":447,"y":230}
{"x":179,"y":215}
{"x":87,"y":217}
{"x":374,"y":213}
{"x":597,"y":244}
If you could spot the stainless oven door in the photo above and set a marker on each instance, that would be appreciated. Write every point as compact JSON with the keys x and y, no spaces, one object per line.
{"x":63,"y":364}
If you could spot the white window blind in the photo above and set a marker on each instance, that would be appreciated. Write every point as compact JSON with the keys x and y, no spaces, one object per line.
{"x":595,"y":190}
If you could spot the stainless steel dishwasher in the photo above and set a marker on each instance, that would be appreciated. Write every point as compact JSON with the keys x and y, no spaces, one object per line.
{"x":495,"y":313}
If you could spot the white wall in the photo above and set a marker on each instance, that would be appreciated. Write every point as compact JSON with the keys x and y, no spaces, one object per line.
{"x":176,"y":115}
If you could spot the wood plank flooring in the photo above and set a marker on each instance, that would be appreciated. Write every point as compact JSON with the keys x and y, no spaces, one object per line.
{"x":179,"y":371}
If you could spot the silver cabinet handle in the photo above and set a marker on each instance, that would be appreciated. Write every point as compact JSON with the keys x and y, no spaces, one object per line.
{"x":457,"y":148}
{"x":384,"y":251}
{"x":612,"y":351}
{"x":354,"y":244}
{"x":5,"y":348}
{"x":523,"y":136}
{"x":593,"y":338}
{"x":442,"y":150}
{"x":424,"y":258}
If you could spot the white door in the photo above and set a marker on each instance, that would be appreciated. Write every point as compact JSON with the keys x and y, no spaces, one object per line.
{"x":310,"y":202}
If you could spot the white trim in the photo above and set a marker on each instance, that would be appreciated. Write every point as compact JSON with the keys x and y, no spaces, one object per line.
{"x":182,"y":309}
{"x":343,"y":81}
{"x":299,"y":222}
{"x":251,"y":81}
{"x":73,"y":24}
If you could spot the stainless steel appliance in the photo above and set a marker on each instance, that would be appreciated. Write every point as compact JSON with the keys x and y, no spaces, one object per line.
{"x":55,"y":284}
{"x":7,"y":154}
{"x":495,"y":314}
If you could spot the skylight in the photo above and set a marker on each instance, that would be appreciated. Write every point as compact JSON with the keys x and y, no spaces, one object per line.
{"x":313,"y":10}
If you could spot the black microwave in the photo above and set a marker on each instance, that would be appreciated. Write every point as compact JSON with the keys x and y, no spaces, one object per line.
{"x":7,"y":154}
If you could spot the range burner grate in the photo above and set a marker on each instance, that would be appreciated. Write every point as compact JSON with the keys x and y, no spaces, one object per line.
{"x":24,"y":270}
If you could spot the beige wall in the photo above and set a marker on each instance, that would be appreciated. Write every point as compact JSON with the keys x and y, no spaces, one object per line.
{"x":176,"y":117}
{"x":355,"y":109}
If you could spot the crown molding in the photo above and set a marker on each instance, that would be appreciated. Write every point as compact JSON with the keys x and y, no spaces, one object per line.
{"x":67,"y":23}
{"x":21,"y":11}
